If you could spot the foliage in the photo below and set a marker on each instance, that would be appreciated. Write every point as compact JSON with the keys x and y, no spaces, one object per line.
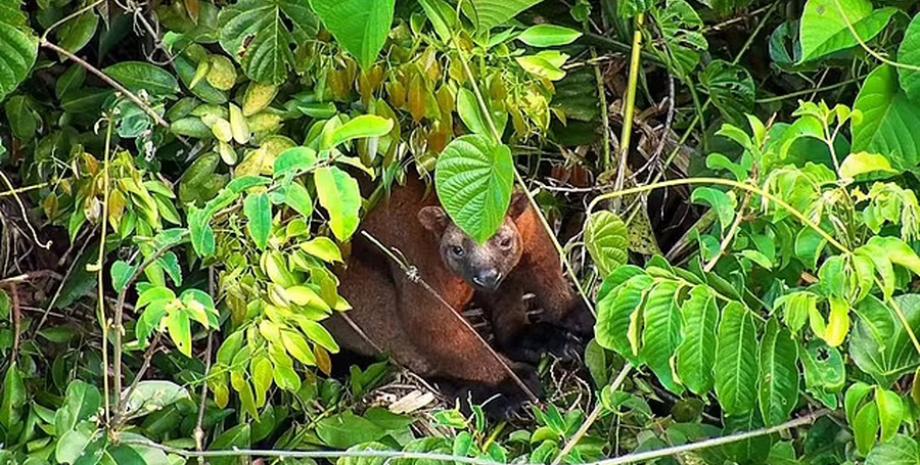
{"x":201,"y":169}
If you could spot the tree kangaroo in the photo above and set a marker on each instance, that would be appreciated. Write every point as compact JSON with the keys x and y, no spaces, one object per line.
{"x":403,"y":319}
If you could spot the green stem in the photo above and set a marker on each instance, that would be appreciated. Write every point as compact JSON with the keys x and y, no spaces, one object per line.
{"x":629,"y":109}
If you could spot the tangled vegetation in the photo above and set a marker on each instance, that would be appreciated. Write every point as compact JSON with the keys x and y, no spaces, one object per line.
{"x":733,"y":184}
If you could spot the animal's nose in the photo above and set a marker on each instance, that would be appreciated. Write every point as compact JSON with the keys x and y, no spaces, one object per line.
{"x":488,"y":279}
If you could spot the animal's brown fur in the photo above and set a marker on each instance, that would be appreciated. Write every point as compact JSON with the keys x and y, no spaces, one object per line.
{"x":405,"y":320}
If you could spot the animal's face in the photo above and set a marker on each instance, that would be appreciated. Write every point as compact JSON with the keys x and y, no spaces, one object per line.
{"x":483,"y":266}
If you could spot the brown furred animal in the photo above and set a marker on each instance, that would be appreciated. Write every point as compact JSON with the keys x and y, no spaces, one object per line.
{"x":403,"y":319}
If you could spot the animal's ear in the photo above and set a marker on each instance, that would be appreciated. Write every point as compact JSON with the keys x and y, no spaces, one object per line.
{"x":519,"y":204}
{"x":433,"y":219}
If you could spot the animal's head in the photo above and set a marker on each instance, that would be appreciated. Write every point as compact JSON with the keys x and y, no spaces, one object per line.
{"x":483,"y":266}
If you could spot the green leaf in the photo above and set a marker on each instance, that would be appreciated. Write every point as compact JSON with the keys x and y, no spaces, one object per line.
{"x":889,"y":120}
{"x":361,"y":27}
{"x":696,"y":354}
{"x":237,"y":437}
{"x":487,"y":14}
{"x":865,"y":428}
{"x":180,"y":331}
{"x":81,"y":401}
{"x":77,"y":32}
{"x":19,"y":46}
{"x":136,"y":454}
{"x":473,"y":179}
{"x":901,"y":450}
{"x":824,"y":29}
{"x":14,"y":397}
{"x":615,"y":312}
{"x":546,"y":64}
{"x":258,"y":211}
{"x":72,"y":443}
{"x":154,"y":394}
{"x":324,"y":249}
{"x":909,"y":54}
{"x":548,"y":35}
{"x":719,"y":201}
{"x":294,"y":161}
{"x":357,"y":128}
{"x":297,"y":197}
{"x":607,"y":240}
{"x":891,"y":412}
{"x":318,"y":334}
{"x":138,"y":75}
{"x":662,"y":333}
{"x":471,"y":114}
{"x":731,"y":89}
{"x":879,"y":345}
{"x":736,"y":360}
{"x":256,"y":34}
{"x":347,"y":429}
{"x":338,"y":193}
{"x":778,"y":390}
{"x":121,"y":272}
{"x":22,"y":118}
{"x":856,"y":164}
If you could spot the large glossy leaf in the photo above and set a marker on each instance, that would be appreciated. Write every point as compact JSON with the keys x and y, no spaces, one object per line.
{"x":473,"y":179}
{"x":736,"y":360}
{"x":338,"y":193}
{"x":901,"y":450}
{"x":615,"y":312}
{"x":909,"y":54}
{"x":824,"y":29}
{"x":256,"y":33}
{"x":661,"y":335}
{"x":358,"y":25}
{"x":889,"y":121}
{"x":490,"y":13}
{"x":14,"y":397}
{"x":18,"y":47}
{"x":879,"y":345}
{"x":141,"y":76}
{"x":778,"y":391}
{"x":607,"y":240}
{"x":81,"y":401}
{"x":696,"y":354}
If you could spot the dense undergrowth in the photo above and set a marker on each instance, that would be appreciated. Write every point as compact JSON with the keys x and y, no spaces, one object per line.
{"x":733,"y":183}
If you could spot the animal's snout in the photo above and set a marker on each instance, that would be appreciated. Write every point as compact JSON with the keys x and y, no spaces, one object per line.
{"x":488,"y":279}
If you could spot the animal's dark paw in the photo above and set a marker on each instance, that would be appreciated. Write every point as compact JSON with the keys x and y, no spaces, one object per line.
{"x":579,"y":321}
{"x":504,"y":400}
{"x":541,"y":338}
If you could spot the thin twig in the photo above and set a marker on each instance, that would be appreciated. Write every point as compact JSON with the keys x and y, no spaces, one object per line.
{"x":108,"y":80}
{"x":629,"y":109}
{"x":100,"y":284}
{"x":25,"y":213}
{"x":410,"y":270}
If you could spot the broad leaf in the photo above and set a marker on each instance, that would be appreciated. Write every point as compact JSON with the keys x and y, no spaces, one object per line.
{"x":548,"y":35}
{"x":607,"y":240}
{"x":256,"y":34}
{"x":152,"y":395}
{"x":879,"y":345}
{"x":736,"y":360}
{"x":696,"y":354}
{"x":902,"y":450}
{"x":824,"y":29}
{"x":778,"y":391}
{"x":19,"y":47}
{"x":81,"y":401}
{"x":140,"y":76}
{"x":338,"y":193}
{"x":473,"y":179}
{"x":615,"y":312}
{"x":860,"y":163}
{"x":719,"y":201}
{"x":731,"y":89}
{"x":661,"y":335}
{"x":889,"y":120}
{"x":258,"y":211}
{"x":487,"y":14}
{"x":909,"y":54}
{"x":358,"y":127}
{"x":360,"y":26}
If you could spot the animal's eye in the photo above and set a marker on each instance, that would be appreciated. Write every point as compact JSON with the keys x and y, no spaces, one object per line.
{"x":457,"y":250}
{"x":505,"y":243}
